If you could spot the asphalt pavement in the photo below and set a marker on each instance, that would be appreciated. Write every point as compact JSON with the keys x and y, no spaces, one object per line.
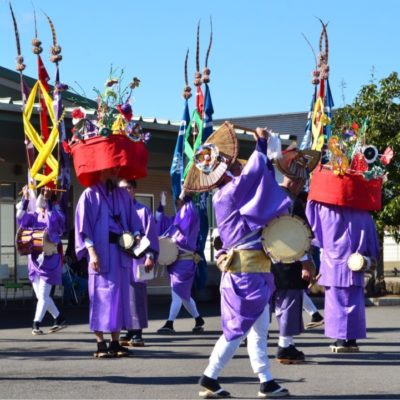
{"x":61,"y":365}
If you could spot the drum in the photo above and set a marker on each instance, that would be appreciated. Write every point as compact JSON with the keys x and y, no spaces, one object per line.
{"x":359,"y":263}
{"x":286,"y":239}
{"x":30,"y":240}
{"x":23,"y":241}
{"x":127,"y":242}
{"x":168,"y":251}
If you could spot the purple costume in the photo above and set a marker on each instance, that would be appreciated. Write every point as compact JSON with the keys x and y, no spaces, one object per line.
{"x":108,"y":288}
{"x":139,"y":288}
{"x":242,"y":207}
{"x":184,"y":232}
{"x":341,"y":231}
{"x":48,"y":268}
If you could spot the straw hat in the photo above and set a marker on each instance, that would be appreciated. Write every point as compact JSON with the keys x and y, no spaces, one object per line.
{"x":212,"y":160}
{"x":297,"y":163}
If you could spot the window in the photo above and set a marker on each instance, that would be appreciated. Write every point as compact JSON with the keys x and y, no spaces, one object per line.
{"x":146,"y":199}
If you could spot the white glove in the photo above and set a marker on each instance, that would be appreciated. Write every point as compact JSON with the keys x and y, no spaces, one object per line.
{"x":182,"y":195}
{"x":163,"y":199}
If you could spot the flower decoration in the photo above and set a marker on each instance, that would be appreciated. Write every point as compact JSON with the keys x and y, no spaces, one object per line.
{"x":349,"y":153}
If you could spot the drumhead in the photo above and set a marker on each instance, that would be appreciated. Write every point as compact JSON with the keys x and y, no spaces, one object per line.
{"x":356,"y":262}
{"x":286,"y":239}
{"x":168,"y":251}
{"x":126,"y":240}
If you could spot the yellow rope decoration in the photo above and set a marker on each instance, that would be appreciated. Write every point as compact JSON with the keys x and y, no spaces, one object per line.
{"x":319,"y":120}
{"x":44,"y":150}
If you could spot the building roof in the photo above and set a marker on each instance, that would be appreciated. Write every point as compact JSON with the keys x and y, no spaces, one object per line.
{"x":290,"y":124}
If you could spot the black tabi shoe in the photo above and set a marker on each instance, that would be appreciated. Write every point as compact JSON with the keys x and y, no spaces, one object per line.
{"x":270,"y":390}
{"x":58,"y":324}
{"x":124,"y":340}
{"x":316,"y":320}
{"x":199,"y":325}
{"x":102,"y":351}
{"x":137,"y":340}
{"x":167,"y":328}
{"x":352,"y":346}
{"x":36,"y":329}
{"x":213,"y":390}
{"x":116,"y":350}
{"x":289,"y":355}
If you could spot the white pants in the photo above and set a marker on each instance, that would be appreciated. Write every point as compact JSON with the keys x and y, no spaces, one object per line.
{"x":45,"y":302}
{"x":256,"y":347}
{"x":308,"y":305}
{"x":176,"y":305}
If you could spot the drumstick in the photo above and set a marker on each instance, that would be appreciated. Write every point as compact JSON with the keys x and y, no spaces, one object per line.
{"x":243,"y":128}
{"x":314,"y":281}
{"x":53,"y":190}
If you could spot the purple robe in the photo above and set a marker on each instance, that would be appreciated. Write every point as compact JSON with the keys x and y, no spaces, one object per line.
{"x":163,"y":221}
{"x":184,"y":232}
{"x":288,"y":311}
{"x":48,"y":268}
{"x":108,"y":288}
{"x":139,"y":288}
{"x":244,"y":205}
{"x":341,"y":231}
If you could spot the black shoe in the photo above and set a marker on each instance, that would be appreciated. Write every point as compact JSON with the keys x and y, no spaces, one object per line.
{"x":352,"y":346}
{"x":199,"y":326}
{"x":116,"y":350}
{"x":340,"y":346}
{"x":316,"y":320}
{"x":102,"y":351}
{"x":271,"y":389}
{"x":137,"y":340}
{"x":124,"y":340}
{"x":167,"y":328}
{"x":36,"y":328}
{"x":213,"y":390}
{"x":58,"y":324}
{"x":289,"y":355}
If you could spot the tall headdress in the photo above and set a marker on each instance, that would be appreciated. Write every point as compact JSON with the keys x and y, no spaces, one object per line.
{"x":114,"y":134}
{"x":350,"y":173}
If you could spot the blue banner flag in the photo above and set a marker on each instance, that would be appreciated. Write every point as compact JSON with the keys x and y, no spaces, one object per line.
{"x":177,"y":166}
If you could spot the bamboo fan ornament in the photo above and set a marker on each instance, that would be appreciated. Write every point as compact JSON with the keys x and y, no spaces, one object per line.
{"x":212,"y":160}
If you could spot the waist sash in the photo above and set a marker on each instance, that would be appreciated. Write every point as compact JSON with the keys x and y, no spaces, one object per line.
{"x":249,"y":261}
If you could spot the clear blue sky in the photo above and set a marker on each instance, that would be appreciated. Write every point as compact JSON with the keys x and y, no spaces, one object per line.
{"x":260,"y":63}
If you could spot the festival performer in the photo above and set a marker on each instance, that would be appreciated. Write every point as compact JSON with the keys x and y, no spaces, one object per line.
{"x":44,"y":264}
{"x":107,"y":227}
{"x":291,"y":279}
{"x":245,"y":201}
{"x":139,"y":306}
{"x":183,"y":232}
{"x":343,"y":189}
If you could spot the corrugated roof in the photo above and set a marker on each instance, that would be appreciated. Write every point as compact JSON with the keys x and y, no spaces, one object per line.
{"x":285,"y":124}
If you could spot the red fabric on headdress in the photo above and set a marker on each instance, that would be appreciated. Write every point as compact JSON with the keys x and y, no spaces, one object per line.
{"x":115,"y":151}
{"x":349,"y":190}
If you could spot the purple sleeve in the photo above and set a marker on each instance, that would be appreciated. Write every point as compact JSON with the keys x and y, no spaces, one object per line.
{"x":27,"y":220}
{"x":56,"y":224}
{"x":314,"y":221}
{"x":85,"y":218}
{"x":186,"y":227}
